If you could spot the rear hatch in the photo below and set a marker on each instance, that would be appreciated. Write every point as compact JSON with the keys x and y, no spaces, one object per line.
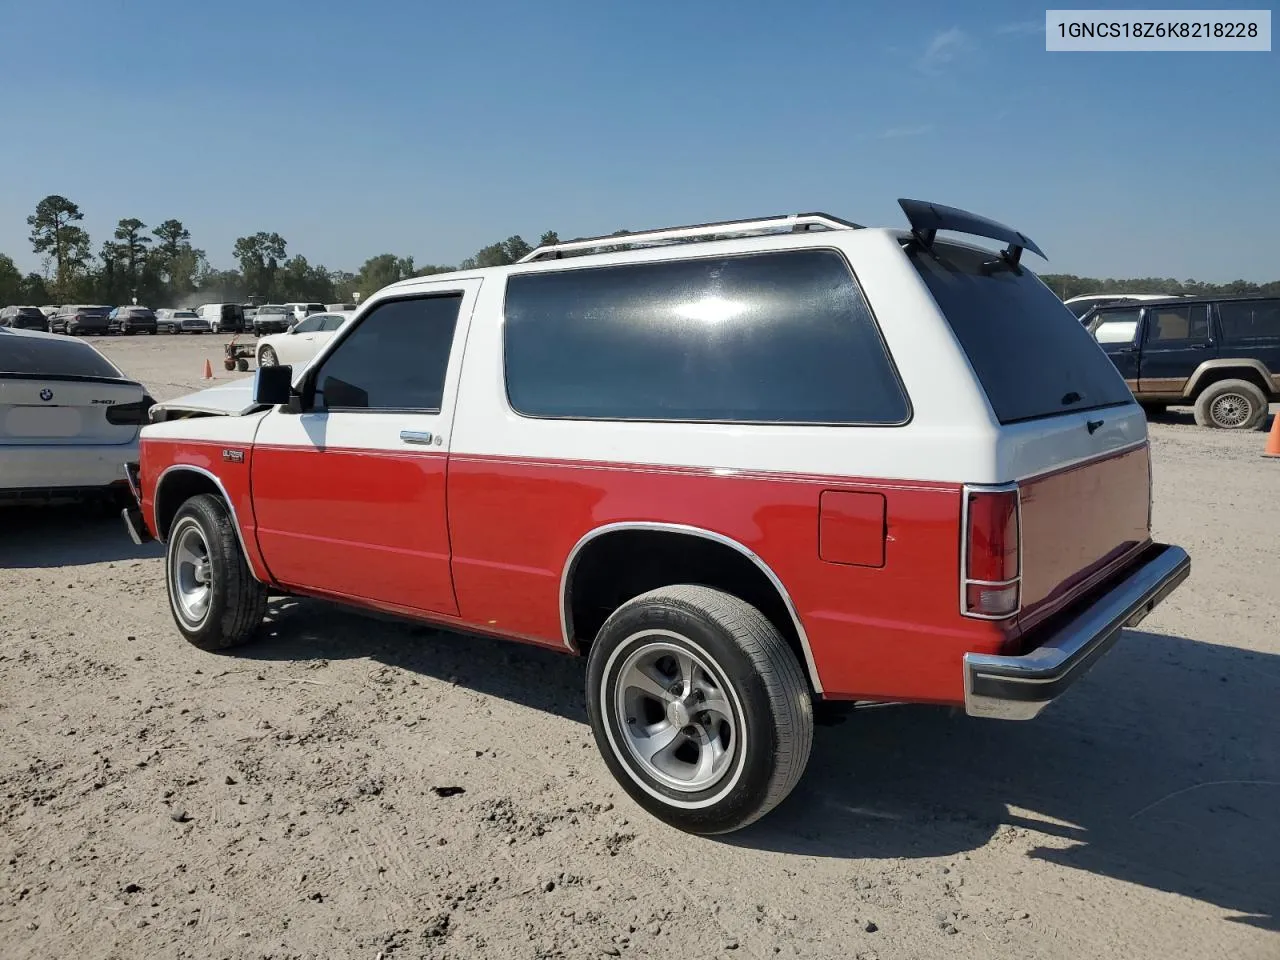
{"x":55,"y":392}
{"x":92,"y":318}
{"x":1071,"y":435}
{"x":30,"y":319}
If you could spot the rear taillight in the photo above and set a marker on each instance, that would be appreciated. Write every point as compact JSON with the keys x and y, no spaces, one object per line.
{"x":991,"y":557}
{"x":130,"y":414}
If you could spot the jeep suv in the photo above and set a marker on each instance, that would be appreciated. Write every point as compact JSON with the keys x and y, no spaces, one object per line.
{"x":740,"y":467}
{"x":1218,"y":354}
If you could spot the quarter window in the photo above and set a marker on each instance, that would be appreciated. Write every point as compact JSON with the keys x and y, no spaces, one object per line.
{"x":1244,"y":320}
{"x":762,"y":338}
{"x":396,"y":359}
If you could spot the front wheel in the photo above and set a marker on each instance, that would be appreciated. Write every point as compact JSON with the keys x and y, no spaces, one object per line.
{"x":699,"y":708}
{"x":1231,"y":405}
{"x":215,"y":600}
{"x":267,"y":358}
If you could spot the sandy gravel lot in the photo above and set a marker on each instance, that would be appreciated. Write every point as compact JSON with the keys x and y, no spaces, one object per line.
{"x":349,"y":787}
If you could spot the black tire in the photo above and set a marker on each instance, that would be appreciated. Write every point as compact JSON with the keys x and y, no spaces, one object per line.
{"x":242,"y":364}
{"x":267,"y":358}
{"x":236,"y":602}
{"x":752,"y":674}
{"x":1231,"y":405}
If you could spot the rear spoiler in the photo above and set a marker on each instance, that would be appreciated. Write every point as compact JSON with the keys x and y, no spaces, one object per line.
{"x":927,"y":219}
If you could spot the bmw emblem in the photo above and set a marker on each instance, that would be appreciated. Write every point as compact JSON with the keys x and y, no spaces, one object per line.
{"x":46,"y":394}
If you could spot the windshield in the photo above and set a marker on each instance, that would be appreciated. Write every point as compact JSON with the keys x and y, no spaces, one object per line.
{"x":184,"y":314}
{"x":271,"y":308}
{"x":55,"y":357}
{"x":1033,"y":358}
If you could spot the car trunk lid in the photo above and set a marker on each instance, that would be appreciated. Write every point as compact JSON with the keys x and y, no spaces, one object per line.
{"x":57,"y":410}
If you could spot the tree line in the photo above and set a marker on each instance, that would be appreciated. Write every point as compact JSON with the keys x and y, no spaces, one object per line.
{"x":1067,"y":285}
{"x":158,"y":266}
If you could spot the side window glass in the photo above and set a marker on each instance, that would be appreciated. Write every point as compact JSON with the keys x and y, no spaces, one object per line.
{"x":310,"y":325}
{"x":782,"y":337}
{"x":396,"y":359}
{"x":1174,"y":324}
{"x":1245,"y":320}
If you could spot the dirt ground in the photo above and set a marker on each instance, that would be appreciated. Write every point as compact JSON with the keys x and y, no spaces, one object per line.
{"x":349,"y":787}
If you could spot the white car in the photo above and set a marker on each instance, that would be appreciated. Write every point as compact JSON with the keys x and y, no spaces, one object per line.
{"x":69,"y":419}
{"x":301,"y":342}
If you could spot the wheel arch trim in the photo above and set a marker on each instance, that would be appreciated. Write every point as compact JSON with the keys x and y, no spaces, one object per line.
{"x":222,"y":491}
{"x":571,"y":562}
{"x":1192,"y":388}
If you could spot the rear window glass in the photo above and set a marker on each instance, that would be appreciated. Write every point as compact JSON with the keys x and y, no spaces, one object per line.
{"x":762,"y":338}
{"x":29,"y":312}
{"x":1032,"y":356}
{"x":36,"y":355}
{"x":1244,"y":320}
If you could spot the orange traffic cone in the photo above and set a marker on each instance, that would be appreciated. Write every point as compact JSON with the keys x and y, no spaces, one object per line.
{"x":1273,"y":438}
{"x":208,"y":369}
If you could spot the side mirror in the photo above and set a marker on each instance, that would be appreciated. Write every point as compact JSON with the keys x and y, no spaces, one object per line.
{"x":273,"y":385}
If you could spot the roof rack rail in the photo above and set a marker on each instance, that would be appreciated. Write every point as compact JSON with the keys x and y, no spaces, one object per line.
{"x":796,"y":223}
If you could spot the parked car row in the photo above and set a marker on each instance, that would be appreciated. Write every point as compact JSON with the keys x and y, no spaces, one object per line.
{"x":87,"y":319}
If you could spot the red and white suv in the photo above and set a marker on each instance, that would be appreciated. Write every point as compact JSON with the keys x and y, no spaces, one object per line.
{"x":739,"y":466}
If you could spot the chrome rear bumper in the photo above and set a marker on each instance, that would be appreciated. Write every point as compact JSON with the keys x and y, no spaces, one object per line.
{"x":1018,"y":688}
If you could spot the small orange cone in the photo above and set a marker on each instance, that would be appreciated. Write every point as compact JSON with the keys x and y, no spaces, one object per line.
{"x":1273,"y":438}
{"x":208,"y":369}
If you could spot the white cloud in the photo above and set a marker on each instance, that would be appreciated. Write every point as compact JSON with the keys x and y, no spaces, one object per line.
{"x":943,"y":49}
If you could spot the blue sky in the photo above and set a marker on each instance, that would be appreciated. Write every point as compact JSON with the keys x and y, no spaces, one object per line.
{"x":429,"y":129}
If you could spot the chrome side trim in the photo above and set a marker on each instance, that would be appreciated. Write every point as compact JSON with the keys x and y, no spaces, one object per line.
{"x":566,"y":620}
{"x":967,"y":489}
{"x":132,"y":477}
{"x":1018,"y":688}
{"x":1087,"y":458}
{"x":235,"y":520}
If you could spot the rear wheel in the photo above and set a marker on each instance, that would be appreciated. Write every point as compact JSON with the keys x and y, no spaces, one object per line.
{"x":699,"y":708}
{"x":215,"y":600}
{"x":267,"y":358}
{"x":1231,"y":405}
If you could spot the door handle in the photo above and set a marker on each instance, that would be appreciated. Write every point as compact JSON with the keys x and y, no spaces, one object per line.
{"x":416,"y":436}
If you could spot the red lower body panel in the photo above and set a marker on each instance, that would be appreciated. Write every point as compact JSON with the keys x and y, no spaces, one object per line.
{"x":891,"y":631}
